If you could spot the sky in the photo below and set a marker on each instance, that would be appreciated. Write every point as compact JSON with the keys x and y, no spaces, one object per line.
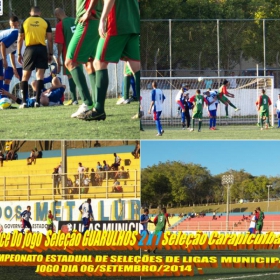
{"x":255,"y":157}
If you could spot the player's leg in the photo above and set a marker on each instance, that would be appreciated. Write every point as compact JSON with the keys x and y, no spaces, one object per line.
{"x":183,"y":114}
{"x":1,"y":73}
{"x":278,"y":116}
{"x":261,"y":119}
{"x":92,"y":78}
{"x":199,"y":121}
{"x":8,"y":75}
{"x":81,"y":47}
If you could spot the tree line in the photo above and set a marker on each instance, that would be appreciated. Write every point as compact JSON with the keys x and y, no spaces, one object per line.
{"x":175,"y":183}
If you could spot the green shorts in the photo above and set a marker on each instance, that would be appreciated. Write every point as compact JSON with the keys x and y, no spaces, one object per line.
{"x":114,"y":48}
{"x":83,"y":44}
{"x":259,"y":226}
{"x":223,"y":99}
{"x":197,"y":114}
{"x":264,"y":114}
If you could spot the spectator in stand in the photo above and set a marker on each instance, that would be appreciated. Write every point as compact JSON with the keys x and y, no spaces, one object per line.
{"x":136,"y":151}
{"x":121,"y":174}
{"x":10,"y":154}
{"x":56,"y":180}
{"x":117,"y":161}
{"x":1,"y":158}
{"x":97,"y":144}
{"x":92,"y":177}
{"x":106,"y":168}
{"x":81,"y":171}
{"x":117,"y":186}
{"x":31,"y":158}
{"x":214,"y":216}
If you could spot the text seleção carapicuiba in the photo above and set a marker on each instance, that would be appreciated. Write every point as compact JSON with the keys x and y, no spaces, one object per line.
{"x":128,"y":240}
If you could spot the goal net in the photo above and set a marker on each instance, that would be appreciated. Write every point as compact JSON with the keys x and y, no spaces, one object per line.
{"x":246,"y":91}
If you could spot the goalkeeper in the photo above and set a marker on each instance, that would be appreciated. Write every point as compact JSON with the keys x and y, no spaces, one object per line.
{"x":222,"y":93}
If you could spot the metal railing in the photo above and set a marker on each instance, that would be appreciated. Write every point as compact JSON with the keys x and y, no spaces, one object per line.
{"x":69,"y":186}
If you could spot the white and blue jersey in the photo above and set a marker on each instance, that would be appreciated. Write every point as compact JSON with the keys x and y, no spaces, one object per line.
{"x":26,"y":215}
{"x":277,"y":106}
{"x":56,"y":95}
{"x":9,"y":38}
{"x":158,"y":97}
{"x":143,"y":218}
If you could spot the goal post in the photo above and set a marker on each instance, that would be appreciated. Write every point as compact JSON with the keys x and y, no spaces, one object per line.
{"x":246,"y":91}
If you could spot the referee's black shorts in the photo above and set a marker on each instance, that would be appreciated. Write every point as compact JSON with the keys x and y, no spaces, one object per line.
{"x":35,"y":56}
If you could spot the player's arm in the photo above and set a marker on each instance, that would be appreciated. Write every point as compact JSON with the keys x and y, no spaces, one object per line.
{"x":19,"y":44}
{"x":49,"y":36}
{"x":269,"y":101}
{"x":3,"y":53}
{"x":108,"y":4}
{"x":13,"y":62}
{"x":90,"y":212}
{"x":153,"y":101}
{"x":167,"y":219}
{"x":87,"y":15}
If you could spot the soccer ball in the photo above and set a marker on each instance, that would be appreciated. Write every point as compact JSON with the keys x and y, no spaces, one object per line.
{"x":5,"y":103}
{"x":200,"y":79}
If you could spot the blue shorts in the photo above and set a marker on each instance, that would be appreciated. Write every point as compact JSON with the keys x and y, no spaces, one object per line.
{"x":252,"y":230}
{"x":157,"y":115}
{"x":86,"y":222}
{"x":30,"y":102}
{"x":9,"y":73}
{"x":57,"y":95}
{"x":278,"y":114}
{"x":213,"y":113}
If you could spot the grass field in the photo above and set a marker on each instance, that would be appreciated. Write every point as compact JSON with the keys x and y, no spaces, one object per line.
{"x":51,"y":123}
{"x":227,"y":273}
{"x":224,"y":132}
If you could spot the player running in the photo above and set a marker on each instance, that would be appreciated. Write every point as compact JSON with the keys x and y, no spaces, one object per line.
{"x":198,"y":100}
{"x":86,"y":212}
{"x":25,"y":216}
{"x":222,"y":93}
{"x":263,"y":104}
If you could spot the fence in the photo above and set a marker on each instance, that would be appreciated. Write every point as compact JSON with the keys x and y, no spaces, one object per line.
{"x":194,"y":48}
{"x":50,"y":187}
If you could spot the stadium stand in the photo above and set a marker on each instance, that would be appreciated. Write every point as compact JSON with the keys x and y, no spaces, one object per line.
{"x":20,"y":181}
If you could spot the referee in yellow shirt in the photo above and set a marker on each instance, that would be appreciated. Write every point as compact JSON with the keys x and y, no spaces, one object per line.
{"x":34,"y":31}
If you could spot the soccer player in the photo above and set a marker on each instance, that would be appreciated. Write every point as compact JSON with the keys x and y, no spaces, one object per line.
{"x":8,"y":45}
{"x":86,"y":212}
{"x":277,"y":106}
{"x":128,"y":80}
{"x":180,"y":100}
{"x":144,"y":220}
{"x":64,"y":32}
{"x":51,"y":97}
{"x":119,"y":30}
{"x":50,"y":221}
{"x":211,"y":97}
{"x":222,"y":93}
{"x":34,"y":30}
{"x":198,"y":100}
{"x":157,"y":98}
{"x":25,"y":216}
{"x":252,"y":226}
{"x":260,"y":218}
{"x":263,"y":104}
{"x":82,"y":48}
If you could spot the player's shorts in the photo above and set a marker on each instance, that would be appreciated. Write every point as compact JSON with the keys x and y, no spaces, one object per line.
{"x":197,"y":114}
{"x":9,"y":73}
{"x":114,"y":48}
{"x":35,"y":56}
{"x":57,"y":95}
{"x":26,"y":224}
{"x":264,"y":114}
{"x":84,"y":42}
{"x":223,"y":99}
{"x":86,"y":222}
{"x":212,"y":113}
{"x":157,"y":115}
{"x":278,"y":114}
{"x":1,"y":68}
{"x":252,"y":230}
{"x":30,"y":102}
{"x":259,"y":227}
{"x":179,"y":102}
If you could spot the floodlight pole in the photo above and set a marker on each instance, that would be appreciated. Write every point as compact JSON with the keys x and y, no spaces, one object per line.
{"x":268,"y":187}
{"x":227,"y":180}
